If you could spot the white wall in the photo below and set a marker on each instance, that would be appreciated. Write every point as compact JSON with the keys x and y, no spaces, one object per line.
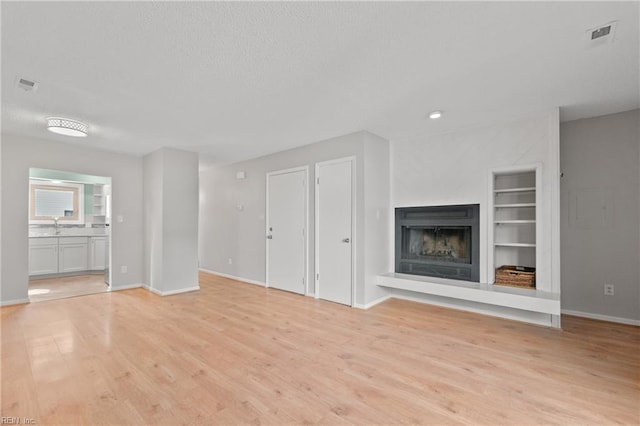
{"x":1,"y":236}
{"x":453,"y":168}
{"x":378,"y":214}
{"x":600,"y":159}
{"x":153,"y":204}
{"x":226,"y":233}
{"x":180,"y":222}
{"x":171,"y":212}
{"x":18,"y":155}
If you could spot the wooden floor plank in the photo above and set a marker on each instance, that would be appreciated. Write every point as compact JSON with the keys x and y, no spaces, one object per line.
{"x":235,"y":353}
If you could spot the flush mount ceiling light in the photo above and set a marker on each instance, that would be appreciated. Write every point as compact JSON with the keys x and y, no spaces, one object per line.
{"x":67,"y":127}
{"x":434,"y":115}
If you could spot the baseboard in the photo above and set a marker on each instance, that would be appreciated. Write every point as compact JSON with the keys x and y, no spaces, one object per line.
{"x":171,"y":292}
{"x":372,"y":303}
{"x":125,"y":287}
{"x":600,"y":317}
{"x":233,"y":277}
{"x":14,"y":302}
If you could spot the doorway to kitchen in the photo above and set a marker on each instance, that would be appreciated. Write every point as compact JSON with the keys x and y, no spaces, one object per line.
{"x":69,"y":234}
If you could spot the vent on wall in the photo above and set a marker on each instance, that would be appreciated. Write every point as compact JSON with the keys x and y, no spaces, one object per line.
{"x":602,"y":33}
{"x":26,"y":85}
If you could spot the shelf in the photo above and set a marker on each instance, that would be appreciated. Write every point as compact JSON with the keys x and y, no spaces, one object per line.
{"x":516,"y":205}
{"x":515,"y":218}
{"x":514,"y":244}
{"x":498,"y":222}
{"x":503,"y":191}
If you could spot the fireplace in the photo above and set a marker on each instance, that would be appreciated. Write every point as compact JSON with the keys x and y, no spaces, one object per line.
{"x":439,"y":241}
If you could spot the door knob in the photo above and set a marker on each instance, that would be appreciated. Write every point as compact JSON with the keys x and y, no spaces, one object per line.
{"x":346,"y":240}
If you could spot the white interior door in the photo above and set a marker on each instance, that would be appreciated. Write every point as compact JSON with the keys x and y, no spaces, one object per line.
{"x":334,"y":238}
{"x":286,"y":230}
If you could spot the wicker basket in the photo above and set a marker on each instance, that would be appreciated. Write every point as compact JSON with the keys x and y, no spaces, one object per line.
{"x":516,"y":276}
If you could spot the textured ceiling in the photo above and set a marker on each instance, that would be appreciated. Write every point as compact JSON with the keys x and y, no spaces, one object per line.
{"x":239,"y":80}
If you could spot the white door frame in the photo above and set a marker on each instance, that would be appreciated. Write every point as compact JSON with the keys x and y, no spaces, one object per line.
{"x":304,"y":169}
{"x":352,"y":160}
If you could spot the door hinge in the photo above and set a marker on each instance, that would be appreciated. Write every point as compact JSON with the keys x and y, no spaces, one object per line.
{"x":318,"y":276}
{"x":302,"y":280}
{"x":318,"y":181}
{"x":303,"y":232}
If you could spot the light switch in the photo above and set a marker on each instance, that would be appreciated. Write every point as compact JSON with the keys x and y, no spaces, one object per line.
{"x":120,"y":218}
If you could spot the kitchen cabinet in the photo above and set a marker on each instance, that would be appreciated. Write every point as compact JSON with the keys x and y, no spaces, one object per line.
{"x":43,"y":256}
{"x":72,"y":254}
{"x":97,"y":253}
{"x":67,"y":254}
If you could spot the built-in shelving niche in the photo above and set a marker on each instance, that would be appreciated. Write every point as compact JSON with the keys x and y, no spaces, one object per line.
{"x":514,"y":213}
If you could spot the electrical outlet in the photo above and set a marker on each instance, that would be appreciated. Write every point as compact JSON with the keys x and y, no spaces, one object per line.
{"x":124,"y":269}
{"x":230,"y":261}
{"x":608,"y":289}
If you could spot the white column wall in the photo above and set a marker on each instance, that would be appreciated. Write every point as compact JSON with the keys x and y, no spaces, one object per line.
{"x":153,"y":214}
{"x":171,"y":228}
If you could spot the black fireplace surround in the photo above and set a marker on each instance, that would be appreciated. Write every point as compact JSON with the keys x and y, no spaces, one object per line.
{"x":439,"y":241}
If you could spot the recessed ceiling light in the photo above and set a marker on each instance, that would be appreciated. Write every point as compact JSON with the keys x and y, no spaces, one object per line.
{"x":67,"y":127}
{"x":435,"y":115}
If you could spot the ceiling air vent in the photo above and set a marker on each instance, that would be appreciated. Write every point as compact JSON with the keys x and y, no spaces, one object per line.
{"x":26,"y":85}
{"x":602,"y":33}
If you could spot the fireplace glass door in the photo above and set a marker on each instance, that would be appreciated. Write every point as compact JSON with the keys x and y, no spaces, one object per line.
{"x":435,"y":244}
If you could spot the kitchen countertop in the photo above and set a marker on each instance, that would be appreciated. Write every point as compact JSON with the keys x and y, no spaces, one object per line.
{"x":80,"y":234}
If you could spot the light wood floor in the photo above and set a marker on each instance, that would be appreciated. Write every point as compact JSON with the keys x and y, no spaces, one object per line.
{"x":235,"y":353}
{"x":60,"y":287}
